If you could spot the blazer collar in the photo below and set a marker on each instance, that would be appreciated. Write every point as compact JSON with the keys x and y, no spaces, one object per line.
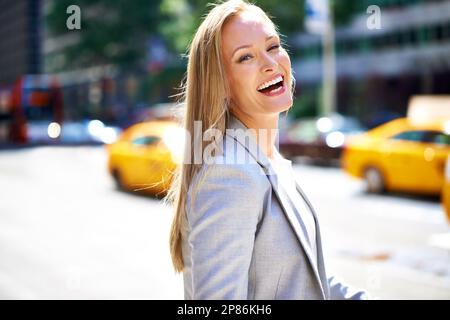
{"x":252,"y":147}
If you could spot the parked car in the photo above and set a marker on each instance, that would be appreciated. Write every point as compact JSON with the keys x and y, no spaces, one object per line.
{"x":401,"y":155}
{"x":145,"y":156}
{"x":88,"y":132}
{"x":320,"y":139}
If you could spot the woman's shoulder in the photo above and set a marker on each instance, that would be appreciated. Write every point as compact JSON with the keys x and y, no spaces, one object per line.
{"x":222,"y":185}
{"x":222,"y":181}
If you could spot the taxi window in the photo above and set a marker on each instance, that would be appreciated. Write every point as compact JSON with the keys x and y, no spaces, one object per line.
{"x":438,"y":137}
{"x":417,"y":136}
{"x":146,"y":140}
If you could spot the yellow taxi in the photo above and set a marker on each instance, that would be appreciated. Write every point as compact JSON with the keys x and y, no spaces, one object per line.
{"x":446,"y":190}
{"x":145,"y":155}
{"x":401,"y":155}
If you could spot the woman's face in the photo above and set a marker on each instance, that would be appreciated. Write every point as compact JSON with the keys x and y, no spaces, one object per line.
{"x":258,"y":68}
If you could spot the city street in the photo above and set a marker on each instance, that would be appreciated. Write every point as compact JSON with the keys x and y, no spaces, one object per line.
{"x":67,"y":233}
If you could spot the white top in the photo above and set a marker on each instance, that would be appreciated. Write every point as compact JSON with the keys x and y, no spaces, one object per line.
{"x":286,"y":180}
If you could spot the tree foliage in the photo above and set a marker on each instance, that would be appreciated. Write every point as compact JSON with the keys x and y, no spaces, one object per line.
{"x":288,"y":15}
{"x":112,"y":31}
{"x":117,"y":31}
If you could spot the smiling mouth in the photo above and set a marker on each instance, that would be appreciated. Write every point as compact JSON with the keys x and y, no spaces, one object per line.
{"x":272,"y":87}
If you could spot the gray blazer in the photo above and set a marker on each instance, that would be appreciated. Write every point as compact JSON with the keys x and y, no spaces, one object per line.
{"x":244,"y":239}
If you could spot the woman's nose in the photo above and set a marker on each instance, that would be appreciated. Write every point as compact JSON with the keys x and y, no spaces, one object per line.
{"x":268,"y":64}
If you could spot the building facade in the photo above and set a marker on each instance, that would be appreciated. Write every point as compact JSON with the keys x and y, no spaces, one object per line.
{"x":20,"y":34}
{"x":378,"y":70}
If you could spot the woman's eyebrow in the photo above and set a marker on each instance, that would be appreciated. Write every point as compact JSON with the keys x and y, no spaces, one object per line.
{"x":249,"y":45}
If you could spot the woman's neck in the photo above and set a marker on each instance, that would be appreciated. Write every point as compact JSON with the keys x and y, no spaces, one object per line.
{"x":266,"y":130}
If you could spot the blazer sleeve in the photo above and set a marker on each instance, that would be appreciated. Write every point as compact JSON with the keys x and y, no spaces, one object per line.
{"x":340,"y":291}
{"x":223,"y":215}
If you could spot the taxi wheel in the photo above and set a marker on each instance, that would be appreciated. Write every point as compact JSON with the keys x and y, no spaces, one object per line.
{"x":374,"y":180}
{"x":118,"y":180}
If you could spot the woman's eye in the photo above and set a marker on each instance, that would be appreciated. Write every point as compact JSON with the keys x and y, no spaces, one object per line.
{"x":274,"y":47}
{"x":245,"y":58}
{"x":248,"y":56}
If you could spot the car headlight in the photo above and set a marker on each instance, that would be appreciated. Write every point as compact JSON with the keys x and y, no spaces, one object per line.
{"x":109,"y":135}
{"x":95,"y":128}
{"x":335,"y":139}
{"x":54,"y":130}
{"x":324,"y":124}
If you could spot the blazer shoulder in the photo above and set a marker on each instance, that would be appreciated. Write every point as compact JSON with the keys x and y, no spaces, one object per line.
{"x":233,"y":173}
{"x":233,"y":163}
{"x":237,"y":175}
{"x":229,"y":196}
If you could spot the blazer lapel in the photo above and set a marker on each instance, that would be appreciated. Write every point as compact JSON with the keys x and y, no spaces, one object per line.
{"x":283,"y":197}
{"x":320,"y":260}
{"x":295,"y":223}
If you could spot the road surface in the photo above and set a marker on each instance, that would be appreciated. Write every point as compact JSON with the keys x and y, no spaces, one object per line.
{"x":67,"y":233}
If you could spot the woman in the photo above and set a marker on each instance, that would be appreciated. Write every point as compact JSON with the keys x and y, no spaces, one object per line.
{"x":242,"y":228}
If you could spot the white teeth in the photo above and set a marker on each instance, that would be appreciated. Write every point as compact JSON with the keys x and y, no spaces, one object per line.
{"x":269,"y":83}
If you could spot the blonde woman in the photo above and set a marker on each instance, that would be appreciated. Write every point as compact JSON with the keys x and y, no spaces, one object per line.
{"x":242,"y":229}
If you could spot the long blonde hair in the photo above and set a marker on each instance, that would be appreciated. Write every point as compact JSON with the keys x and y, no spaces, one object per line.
{"x":204,"y":98}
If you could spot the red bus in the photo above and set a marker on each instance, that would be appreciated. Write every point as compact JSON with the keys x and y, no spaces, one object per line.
{"x":34,"y":111}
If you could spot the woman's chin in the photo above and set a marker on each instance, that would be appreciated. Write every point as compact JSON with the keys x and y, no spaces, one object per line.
{"x":280,"y":106}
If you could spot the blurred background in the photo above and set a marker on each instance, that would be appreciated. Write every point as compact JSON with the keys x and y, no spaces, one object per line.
{"x":88,"y":141}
